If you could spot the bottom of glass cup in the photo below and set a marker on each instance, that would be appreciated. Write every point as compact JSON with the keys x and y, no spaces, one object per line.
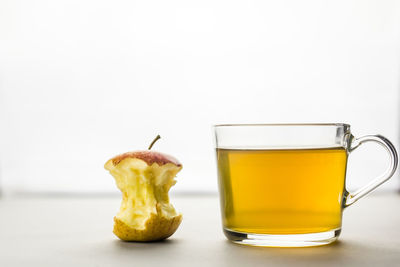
{"x":294,"y":240}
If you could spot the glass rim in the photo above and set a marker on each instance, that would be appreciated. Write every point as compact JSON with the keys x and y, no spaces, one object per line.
{"x":279,"y":124}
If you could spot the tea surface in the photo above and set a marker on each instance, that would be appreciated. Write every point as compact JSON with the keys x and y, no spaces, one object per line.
{"x":282,"y":191}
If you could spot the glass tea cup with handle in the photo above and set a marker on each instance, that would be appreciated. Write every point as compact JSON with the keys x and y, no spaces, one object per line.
{"x":284,"y":184}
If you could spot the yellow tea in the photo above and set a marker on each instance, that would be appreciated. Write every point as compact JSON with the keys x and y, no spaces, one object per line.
{"x":294,"y":191}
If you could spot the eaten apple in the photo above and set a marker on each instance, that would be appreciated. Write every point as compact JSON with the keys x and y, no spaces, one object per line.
{"x":145,"y":178}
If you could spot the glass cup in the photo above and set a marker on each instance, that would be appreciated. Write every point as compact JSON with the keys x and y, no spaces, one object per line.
{"x":284,"y":184}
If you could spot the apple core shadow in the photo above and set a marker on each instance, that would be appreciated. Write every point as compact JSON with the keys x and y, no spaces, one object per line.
{"x":144,"y":245}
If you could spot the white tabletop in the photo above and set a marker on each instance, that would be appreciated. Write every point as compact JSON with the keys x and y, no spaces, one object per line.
{"x":77,"y":231}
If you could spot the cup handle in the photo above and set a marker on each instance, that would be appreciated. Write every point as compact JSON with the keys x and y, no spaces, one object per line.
{"x":355,"y":143}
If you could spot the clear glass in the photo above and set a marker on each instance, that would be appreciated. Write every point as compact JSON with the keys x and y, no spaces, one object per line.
{"x":284,"y":184}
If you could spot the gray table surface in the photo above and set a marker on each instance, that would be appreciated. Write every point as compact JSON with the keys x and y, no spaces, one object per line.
{"x":77,"y":231}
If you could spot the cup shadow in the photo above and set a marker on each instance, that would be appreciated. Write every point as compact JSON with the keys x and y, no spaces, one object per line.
{"x":336,"y":244}
{"x":338,"y":251}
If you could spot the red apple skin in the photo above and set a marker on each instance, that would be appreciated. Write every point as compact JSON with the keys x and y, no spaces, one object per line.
{"x":148,"y":156}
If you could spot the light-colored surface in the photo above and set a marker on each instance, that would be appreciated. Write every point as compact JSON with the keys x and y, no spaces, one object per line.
{"x":77,"y":232}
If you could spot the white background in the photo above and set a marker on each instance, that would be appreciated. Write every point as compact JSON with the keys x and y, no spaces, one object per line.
{"x":84,"y":80}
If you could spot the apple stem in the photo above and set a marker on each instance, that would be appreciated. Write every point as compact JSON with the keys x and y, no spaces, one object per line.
{"x":155,"y":140}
